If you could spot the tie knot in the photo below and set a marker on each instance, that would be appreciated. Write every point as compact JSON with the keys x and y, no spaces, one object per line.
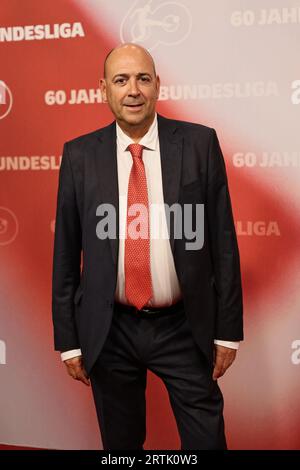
{"x":136,"y":150}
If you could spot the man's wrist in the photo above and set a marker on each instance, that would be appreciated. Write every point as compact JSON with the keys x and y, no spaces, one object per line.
{"x":227,"y":344}
{"x":70,"y":354}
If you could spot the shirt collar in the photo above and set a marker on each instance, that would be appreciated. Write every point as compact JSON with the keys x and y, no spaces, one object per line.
{"x":149,"y":140}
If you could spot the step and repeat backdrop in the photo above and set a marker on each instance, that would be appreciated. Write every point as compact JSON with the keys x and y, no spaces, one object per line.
{"x":231,"y":65}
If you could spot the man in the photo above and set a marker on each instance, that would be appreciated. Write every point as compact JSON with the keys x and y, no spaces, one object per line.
{"x":140,"y":302}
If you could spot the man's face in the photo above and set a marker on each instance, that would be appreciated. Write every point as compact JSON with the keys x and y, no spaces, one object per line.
{"x":130,"y":87}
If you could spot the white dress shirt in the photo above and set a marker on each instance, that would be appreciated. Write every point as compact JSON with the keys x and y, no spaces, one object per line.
{"x":165,"y":284}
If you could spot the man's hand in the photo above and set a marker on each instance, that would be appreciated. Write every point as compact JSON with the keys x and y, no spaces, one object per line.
{"x":224,"y":357}
{"x":76,"y":370}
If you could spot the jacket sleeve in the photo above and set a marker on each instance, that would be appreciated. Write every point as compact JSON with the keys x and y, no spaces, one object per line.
{"x":66,"y":259}
{"x":224,"y":248}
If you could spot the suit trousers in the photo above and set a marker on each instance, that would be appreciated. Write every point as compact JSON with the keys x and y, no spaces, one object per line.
{"x":164,"y":345}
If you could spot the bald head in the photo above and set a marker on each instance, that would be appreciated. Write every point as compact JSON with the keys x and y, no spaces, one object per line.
{"x":127,"y":48}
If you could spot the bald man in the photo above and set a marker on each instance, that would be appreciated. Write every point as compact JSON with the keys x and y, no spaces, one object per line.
{"x":140,"y":302}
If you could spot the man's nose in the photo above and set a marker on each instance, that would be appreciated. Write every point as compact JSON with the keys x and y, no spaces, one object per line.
{"x":133,"y":88}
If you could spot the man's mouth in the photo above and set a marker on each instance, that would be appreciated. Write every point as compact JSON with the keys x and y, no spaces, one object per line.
{"x":134,"y":105}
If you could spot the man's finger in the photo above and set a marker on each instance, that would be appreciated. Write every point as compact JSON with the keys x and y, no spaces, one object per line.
{"x":219,"y":366}
{"x":224,"y":357}
{"x":76,"y":370}
{"x":218,"y":372}
{"x":82,"y":375}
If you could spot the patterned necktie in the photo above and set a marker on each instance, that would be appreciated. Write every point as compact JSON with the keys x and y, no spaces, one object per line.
{"x":138,"y":284}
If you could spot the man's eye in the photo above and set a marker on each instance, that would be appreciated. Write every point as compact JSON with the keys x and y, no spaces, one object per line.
{"x":145,"y":79}
{"x":120,"y":80}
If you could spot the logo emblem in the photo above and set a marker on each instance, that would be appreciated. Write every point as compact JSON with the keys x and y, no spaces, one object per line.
{"x":169,"y":23}
{"x":6,"y":100}
{"x":9,"y":226}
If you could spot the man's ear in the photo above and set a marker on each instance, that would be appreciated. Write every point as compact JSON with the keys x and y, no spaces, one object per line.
{"x":157,"y":85}
{"x":102,"y":86}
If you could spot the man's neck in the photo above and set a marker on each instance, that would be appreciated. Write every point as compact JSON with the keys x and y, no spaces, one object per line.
{"x":136,"y":132}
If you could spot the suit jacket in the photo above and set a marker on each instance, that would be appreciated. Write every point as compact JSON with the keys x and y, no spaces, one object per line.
{"x":85,"y":267}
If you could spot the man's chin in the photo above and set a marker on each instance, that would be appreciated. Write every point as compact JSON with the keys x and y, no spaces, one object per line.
{"x":134,"y":120}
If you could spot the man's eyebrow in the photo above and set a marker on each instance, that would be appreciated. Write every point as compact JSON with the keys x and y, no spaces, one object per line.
{"x":120,"y":75}
{"x":126,"y":75}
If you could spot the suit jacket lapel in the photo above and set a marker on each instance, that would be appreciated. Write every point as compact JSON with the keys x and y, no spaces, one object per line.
{"x":106,"y":164}
{"x":170,"y":144}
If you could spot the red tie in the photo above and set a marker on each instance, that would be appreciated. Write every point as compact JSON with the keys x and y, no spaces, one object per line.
{"x":138,"y":284}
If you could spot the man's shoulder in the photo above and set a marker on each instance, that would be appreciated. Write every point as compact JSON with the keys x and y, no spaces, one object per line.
{"x":186,"y":126}
{"x":90,"y":137}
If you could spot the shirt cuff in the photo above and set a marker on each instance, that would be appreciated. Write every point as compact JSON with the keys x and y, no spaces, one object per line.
{"x":70,"y":354}
{"x":227,"y":344}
